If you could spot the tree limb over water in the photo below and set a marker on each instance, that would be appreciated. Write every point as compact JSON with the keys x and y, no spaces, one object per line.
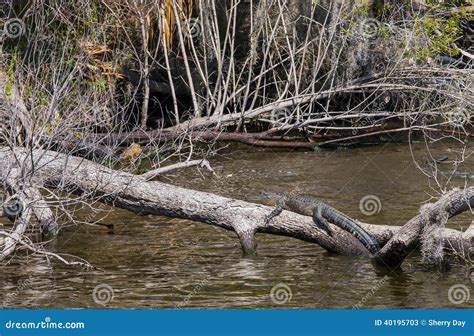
{"x":334,"y":80}
{"x":132,"y":192}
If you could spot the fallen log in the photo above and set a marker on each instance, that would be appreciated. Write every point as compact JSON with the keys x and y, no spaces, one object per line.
{"x":261,"y":139}
{"x":431,"y":216}
{"x":132,"y":192}
{"x":267,"y":138}
{"x":10,"y":242}
{"x":29,"y":196}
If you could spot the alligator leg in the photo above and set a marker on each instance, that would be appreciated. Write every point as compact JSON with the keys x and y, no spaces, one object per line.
{"x":273,"y":214}
{"x":320,"y":221}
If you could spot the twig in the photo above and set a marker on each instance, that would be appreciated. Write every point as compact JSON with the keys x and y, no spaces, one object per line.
{"x":159,"y":171}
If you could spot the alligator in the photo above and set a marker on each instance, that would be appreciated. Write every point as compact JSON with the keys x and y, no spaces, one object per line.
{"x":321,"y":214}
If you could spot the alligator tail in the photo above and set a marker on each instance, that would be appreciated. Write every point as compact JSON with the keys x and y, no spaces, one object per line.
{"x":370,"y":243}
{"x":356,"y":230}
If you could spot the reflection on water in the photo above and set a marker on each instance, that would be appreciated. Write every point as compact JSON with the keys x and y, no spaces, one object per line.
{"x":157,"y":262}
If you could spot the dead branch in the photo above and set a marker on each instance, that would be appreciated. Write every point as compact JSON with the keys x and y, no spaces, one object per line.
{"x":132,"y":192}
{"x":10,"y":97}
{"x":31,"y":247}
{"x":31,"y":197}
{"x":434,"y":215}
{"x":163,"y":170}
{"x":10,"y":242}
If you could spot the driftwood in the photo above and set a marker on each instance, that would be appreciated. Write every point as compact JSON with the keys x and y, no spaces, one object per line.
{"x":132,"y":192}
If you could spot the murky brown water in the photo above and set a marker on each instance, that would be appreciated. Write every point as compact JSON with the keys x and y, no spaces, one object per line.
{"x":157,"y":262}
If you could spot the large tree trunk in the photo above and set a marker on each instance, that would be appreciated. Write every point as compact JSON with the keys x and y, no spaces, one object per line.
{"x":135,"y":193}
